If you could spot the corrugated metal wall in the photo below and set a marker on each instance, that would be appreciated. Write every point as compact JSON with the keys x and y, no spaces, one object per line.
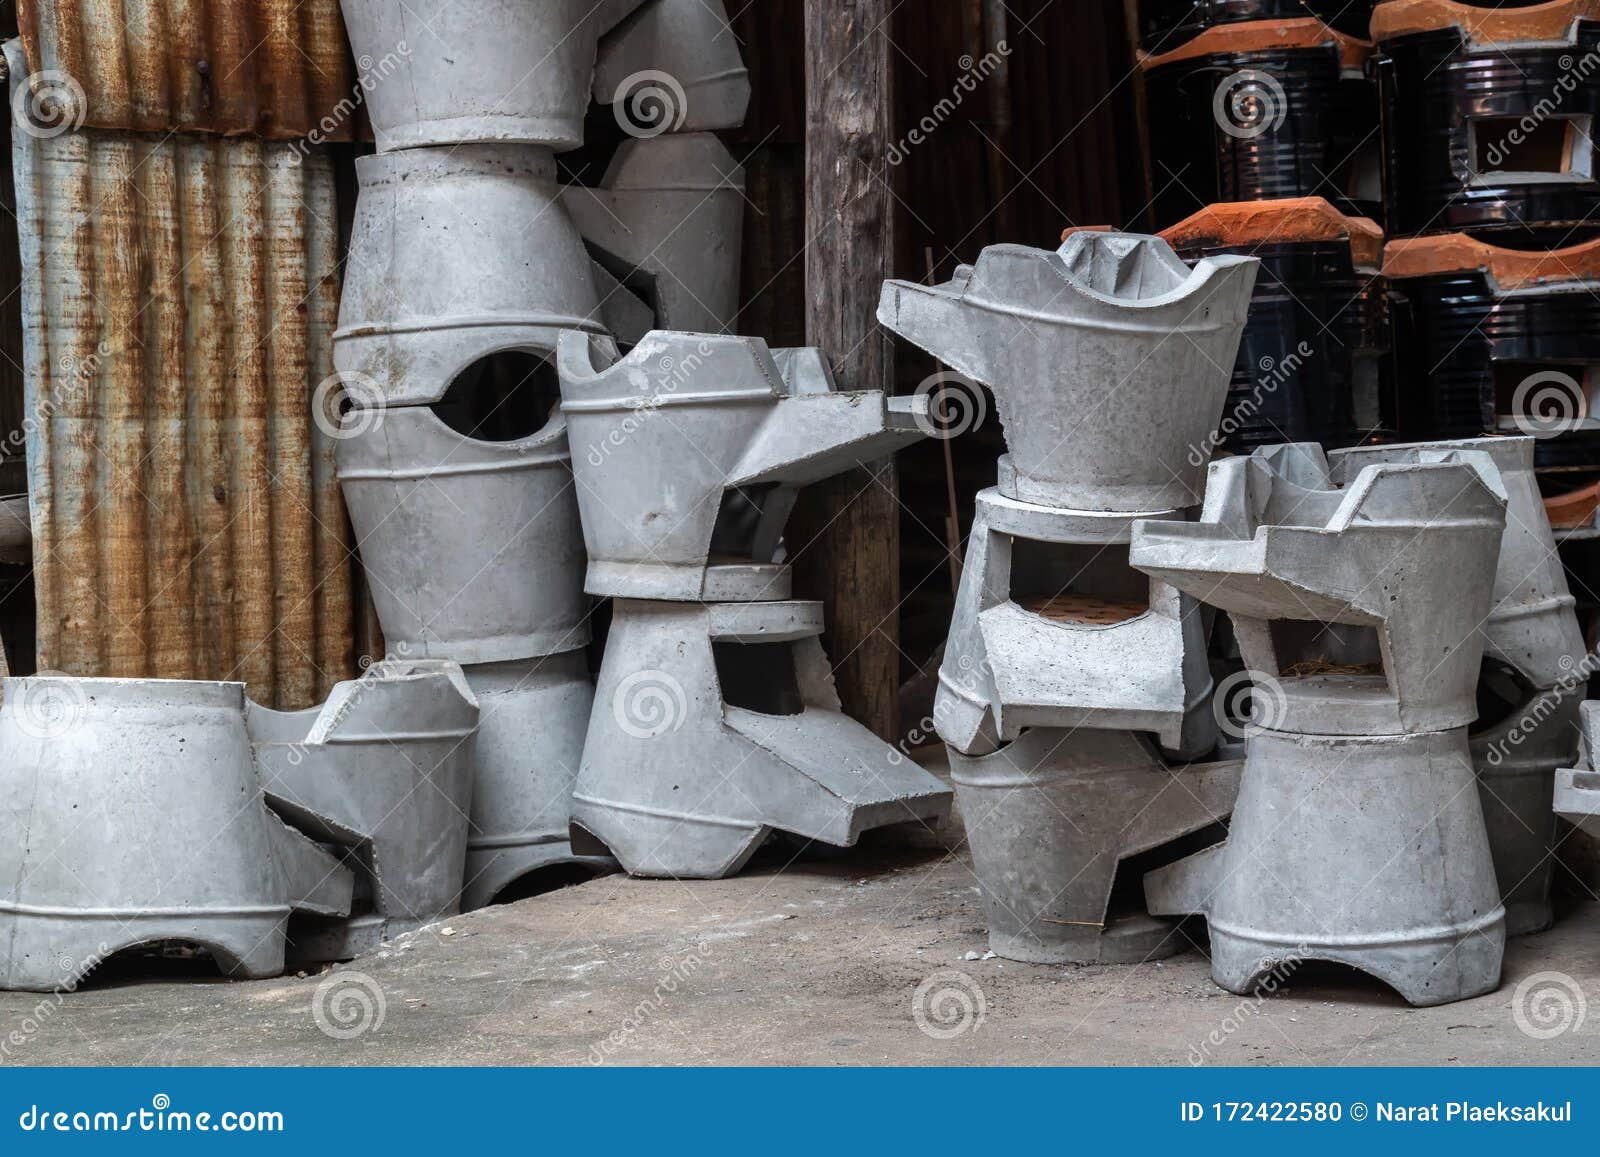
{"x":1063,"y":134}
{"x":1039,"y":142}
{"x":179,"y":295}
{"x":771,"y":146}
{"x":267,"y":68}
{"x":1059,"y":147}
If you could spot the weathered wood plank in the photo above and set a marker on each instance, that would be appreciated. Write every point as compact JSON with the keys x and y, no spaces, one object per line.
{"x":848,"y":528}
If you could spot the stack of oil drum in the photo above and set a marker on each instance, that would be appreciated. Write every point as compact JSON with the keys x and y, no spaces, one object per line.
{"x":1491,"y":197}
{"x":1457,"y":136}
{"x":1419,"y":180}
{"x":468,"y":259}
{"x":1263,"y":136}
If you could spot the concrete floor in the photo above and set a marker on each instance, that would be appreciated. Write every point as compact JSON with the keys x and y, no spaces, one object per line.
{"x":805,"y":962}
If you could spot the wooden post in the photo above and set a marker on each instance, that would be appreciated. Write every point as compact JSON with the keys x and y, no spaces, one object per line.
{"x":848,"y":528}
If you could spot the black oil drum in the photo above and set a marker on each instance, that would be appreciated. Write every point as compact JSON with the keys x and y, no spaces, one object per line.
{"x":1495,"y":140}
{"x":1165,"y":24}
{"x":1477,"y":357}
{"x":1315,"y":363}
{"x":1260,"y":125}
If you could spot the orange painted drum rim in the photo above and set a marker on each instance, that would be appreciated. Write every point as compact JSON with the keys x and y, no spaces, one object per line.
{"x":1265,"y":36}
{"x":1483,"y":26}
{"x":1574,"y":509}
{"x":1510,"y":268}
{"x":1294,"y":219}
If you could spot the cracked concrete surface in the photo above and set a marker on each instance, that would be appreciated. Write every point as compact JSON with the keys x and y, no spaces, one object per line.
{"x":806,"y":960}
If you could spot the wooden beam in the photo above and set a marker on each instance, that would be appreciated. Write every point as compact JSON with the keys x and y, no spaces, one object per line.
{"x":848,"y":529}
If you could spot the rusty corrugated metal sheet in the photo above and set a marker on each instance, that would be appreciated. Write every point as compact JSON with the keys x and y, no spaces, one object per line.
{"x":179,"y":296}
{"x":270,"y":68}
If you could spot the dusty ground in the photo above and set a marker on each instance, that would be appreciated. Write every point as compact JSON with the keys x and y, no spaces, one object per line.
{"x":817,"y":963}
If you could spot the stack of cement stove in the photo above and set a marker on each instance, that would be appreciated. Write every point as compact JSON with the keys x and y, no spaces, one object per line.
{"x":716,"y":723}
{"x":1357,"y":591}
{"x":141,"y":813}
{"x":1075,"y":692}
{"x":1533,"y":678}
{"x":467,"y":261}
